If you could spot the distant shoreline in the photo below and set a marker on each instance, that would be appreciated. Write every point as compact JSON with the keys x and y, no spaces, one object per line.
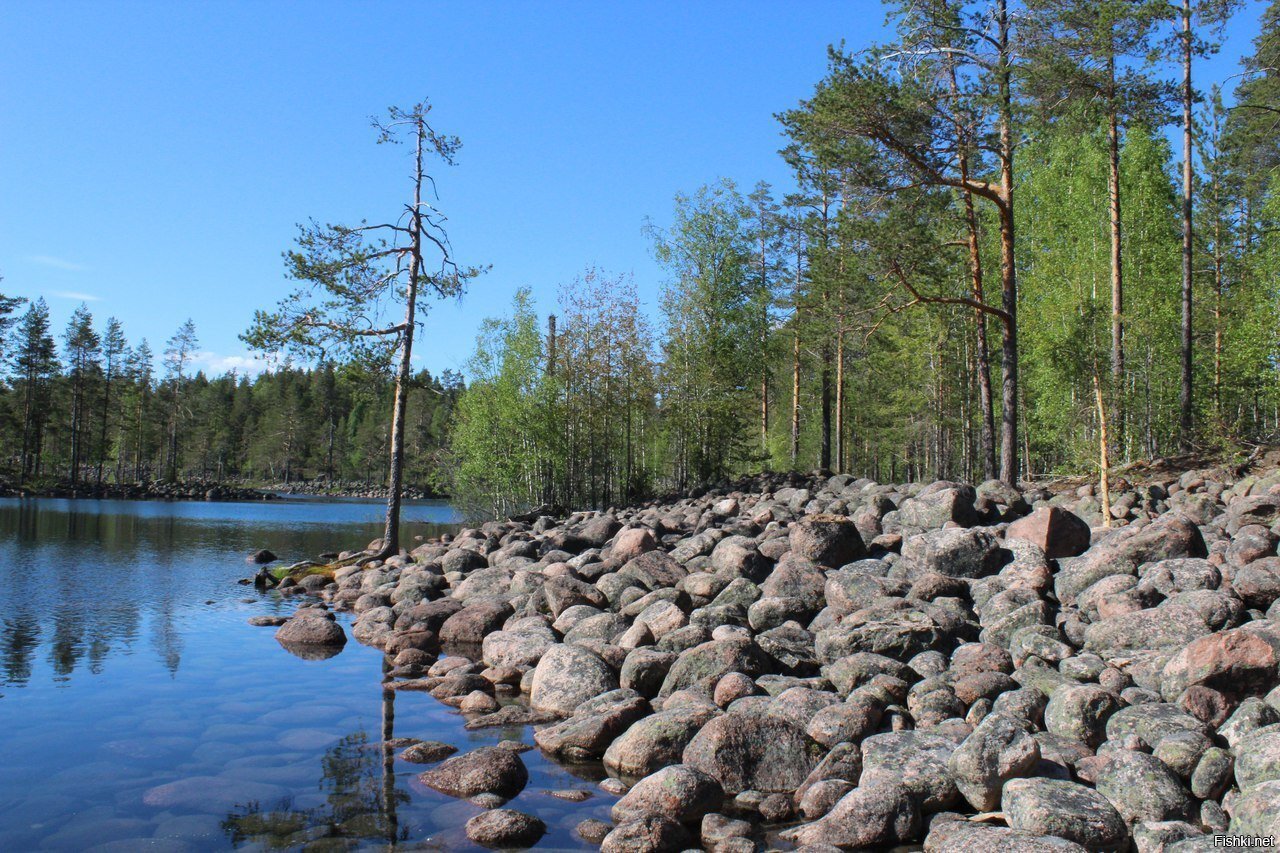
{"x":205,"y":491}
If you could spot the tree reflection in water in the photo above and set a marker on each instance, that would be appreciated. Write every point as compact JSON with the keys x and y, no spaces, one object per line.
{"x":361,"y":798}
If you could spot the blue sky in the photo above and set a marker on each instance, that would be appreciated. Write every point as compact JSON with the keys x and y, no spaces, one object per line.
{"x":155,"y":157}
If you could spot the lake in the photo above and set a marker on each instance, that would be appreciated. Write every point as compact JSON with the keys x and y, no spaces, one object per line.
{"x":139,"y":710}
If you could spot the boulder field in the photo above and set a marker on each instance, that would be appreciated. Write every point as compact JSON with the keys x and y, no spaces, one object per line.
{"x":836,"y":664}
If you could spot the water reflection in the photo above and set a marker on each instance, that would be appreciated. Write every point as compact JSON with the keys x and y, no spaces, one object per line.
{"x":21,"y":634}
{"x":83,"y":577}
{"x":140,"y":710}
{"x":360,"y":801}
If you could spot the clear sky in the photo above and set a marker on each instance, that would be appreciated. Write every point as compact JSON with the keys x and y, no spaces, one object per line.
{"x":155,"y":157}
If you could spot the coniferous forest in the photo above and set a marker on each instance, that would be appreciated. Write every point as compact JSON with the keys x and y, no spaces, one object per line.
{"x":82,"y":406}
{"x":1006,"y":225}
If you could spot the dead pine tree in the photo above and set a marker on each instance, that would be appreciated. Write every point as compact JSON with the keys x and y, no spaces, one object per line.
{"x":352,"y":277}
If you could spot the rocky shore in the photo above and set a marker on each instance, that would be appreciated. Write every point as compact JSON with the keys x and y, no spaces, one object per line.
{"x":351,"y":489}
{"x":149,"y":491}
{"x":831,"y":663}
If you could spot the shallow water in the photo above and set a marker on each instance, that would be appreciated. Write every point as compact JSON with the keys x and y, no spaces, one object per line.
{"x":139,"y":710}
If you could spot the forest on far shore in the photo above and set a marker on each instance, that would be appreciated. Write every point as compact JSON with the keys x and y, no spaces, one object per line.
{"x":1008,"y":226}
{"x":82,"y":406}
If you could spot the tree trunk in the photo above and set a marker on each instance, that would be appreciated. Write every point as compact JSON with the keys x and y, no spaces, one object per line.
{"x":1117,"y":272}
{"x":980,"y":318}
{"x":102,"y":430}
{"x":1186,"y":424}
{"x":28,"y":413}
{"x":1008,"y":271}
{"x":1217,"y":325}
{"x":764,"y":336}
{"x":76,"y":396}
{"x":391,"y":534}
{"x":839,"y":459}
{"x":795,"y":396}
{"x":983,"y":366}
{"x":137,"y":459}
{"x":795,"y":365}
{"x":1104,"y":458}
{"x":824,"y":455}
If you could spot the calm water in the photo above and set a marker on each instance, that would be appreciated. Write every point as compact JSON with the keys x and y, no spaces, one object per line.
{"x":138,"y":710}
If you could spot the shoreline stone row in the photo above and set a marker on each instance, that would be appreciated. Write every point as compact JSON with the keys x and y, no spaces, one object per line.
{"x":842,"y":664}
{"x":191,"y":491}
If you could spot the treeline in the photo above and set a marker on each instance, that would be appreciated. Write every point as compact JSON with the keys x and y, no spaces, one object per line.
{"x":85,"y":407}
{"x":989,"y":232}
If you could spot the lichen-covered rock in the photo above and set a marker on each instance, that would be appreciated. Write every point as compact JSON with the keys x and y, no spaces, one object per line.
{"x":653,"y":570}
{"x":710,"y":660}
{"x":828,"y":540}
{"x":1151,"y":722}
{"x":1158,"y":836}
{"x":521,"y":648}
{"x":738,"y":557}
{"x":677,"y":792}
{"x":644,"y":670}
{"x":932,"y":509}
{"x":753,"y":752}
{"x":953,"y":552}
{"x":1080,"y":713}
{"x":505,"y":828}
{"x":1257,"y":810}
{"x":962,"y":836}
{"x":487,"y":770}
{"x":1258,"y":758}
{"x":656,"y":741}
{"x":916,"y":760}
{"x":898,"y":634}
{"x":427,"y":752}
{"x":821,"y":797}
{"x":1256,"y":509}
{"x":1153,"y":629}
{"x":846,"y":722}
{"x":565,"y":592}
{"x":1066,"y":810}
{"x":475,"y":621}
{"x":1143,"y":788}
{"x":593,"y":727}
{"x":868,"y":816}
{"x":998,"y":750}
{"x":1212,"y":773}
{"x":599,"y":530}
{"x":568,"y":675}
{"x":651,"y":834}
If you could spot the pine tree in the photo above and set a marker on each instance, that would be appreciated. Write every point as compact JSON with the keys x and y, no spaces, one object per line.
{"x":83,"y":351}
{"x":178,"y":354}
{"x":348,"y":273}
{"x":114,"y":347}
{"x":36,"y":365}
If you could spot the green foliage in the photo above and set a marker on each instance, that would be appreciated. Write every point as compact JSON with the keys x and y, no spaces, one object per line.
{"x":713,"y":331}
{"x":501,"y":427}
{"x":563,"y":420}
{"x":106,"y":411}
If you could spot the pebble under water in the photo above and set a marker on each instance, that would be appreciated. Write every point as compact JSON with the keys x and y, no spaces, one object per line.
{"x":139,"y":710}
